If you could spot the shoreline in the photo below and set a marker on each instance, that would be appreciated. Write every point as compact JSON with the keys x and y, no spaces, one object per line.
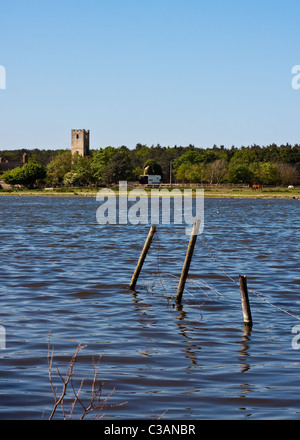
{"x":272,"y":193}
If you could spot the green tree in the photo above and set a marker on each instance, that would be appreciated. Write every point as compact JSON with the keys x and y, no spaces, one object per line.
{"x":239,"y":173}
{"x":190,"y":157}
{"x":195,"y":173}
{"x":13,"y":177}
{"x":266,"y":173}
{"x":191,"y":173}
{"x":137,"y":172}
{"x":33,"y":171}
{"x":59,"y":167}
{"x":181,"y":173}
{"x":26,"y":175}
{"x":111,"y":165}
{"x":72,"y":179}
{"x":245,"y":156}
{"x":119,"y":168}
{"x":100,"y":161}
{"x":82,"y":166}
{"x":143,"y":152}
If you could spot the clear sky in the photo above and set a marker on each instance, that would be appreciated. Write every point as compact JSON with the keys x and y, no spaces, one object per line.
{"x":181,"y":72}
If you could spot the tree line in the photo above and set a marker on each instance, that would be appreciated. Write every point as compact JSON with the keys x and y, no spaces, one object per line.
{"x":270,"y":165}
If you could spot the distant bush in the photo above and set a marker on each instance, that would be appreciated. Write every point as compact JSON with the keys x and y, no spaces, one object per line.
{"x":26,"y":175}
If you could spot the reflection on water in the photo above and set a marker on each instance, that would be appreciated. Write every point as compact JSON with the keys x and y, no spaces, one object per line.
{"x":64,"y":273}
{"x":246,"y":339}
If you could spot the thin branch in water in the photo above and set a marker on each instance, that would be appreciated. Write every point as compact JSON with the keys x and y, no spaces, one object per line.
{"x":94,"y":403}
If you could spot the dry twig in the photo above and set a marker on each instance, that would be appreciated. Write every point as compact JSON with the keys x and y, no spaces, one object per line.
{"x":94,"y":403}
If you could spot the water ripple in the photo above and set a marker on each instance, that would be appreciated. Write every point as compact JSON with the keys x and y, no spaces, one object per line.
{"x":64,"y":273}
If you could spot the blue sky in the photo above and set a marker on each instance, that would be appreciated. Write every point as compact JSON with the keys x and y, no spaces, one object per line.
{"x":172,"y":72}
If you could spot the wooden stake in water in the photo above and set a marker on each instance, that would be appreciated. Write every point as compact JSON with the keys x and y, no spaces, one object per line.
{"x":245,"y":301}
{"x":142,"y":258}
{"x":188,"y":259}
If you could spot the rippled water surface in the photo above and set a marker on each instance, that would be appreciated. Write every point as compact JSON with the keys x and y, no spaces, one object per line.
{"x":63,"y":272}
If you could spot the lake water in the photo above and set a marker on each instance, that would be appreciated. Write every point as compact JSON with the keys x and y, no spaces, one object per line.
{"x":63,"y":272}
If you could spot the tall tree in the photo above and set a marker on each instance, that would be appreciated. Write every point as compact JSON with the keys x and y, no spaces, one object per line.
{"x":119,"y":168}
{"x":58,"y":167}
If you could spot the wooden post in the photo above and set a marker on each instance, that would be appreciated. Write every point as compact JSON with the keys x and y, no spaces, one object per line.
{"x":245,"y":301}
{"x":187,"y":262}
{"x":142,"y":258}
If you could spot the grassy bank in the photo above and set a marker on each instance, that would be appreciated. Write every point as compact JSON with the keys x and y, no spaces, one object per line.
{"x":220,"y":192}
{"x":279,"y":193}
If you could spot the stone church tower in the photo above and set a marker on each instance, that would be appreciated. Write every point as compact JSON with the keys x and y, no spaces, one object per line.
{"x":80,"y":142}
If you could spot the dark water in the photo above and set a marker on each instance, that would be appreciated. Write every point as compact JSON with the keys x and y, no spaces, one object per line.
{"x":64,"y":273}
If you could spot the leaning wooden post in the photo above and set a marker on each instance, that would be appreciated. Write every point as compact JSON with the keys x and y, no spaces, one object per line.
{"x":142,"y":258}
{"x":187,"y":262}
{"x":245,"y":301}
